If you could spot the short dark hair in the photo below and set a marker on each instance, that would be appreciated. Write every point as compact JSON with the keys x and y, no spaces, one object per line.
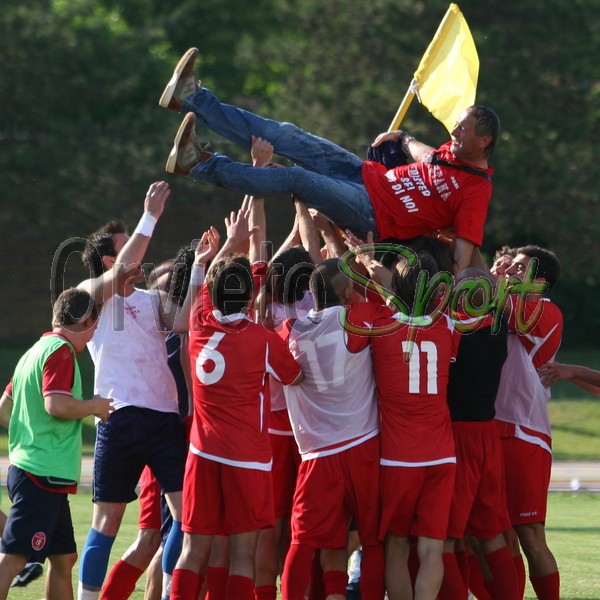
{"x":548,"y":266}
{"x":440,"y":252}
{"x":405,"y":278}
{"x":73,"y":306}
{"x":487,"y":122}
{"x":101,"y":243}
{"x":288,"y":275}
{"x":504,"y":251}
{"x":327,"y":282}
{"x":230,"y":284}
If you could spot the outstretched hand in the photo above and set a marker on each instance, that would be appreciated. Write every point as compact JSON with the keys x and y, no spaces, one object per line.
{"x":156,"y":197}
{"x":261,"y":152}
{"x":238,"y":226}
{"x":207,"y":247}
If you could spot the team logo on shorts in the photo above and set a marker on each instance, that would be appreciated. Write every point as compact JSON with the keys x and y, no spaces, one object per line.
{"x":38,"y":541}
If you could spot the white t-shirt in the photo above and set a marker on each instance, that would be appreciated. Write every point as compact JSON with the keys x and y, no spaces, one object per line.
{"x":130,"y":355}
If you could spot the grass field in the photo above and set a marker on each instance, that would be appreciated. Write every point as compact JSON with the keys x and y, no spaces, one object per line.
{"x":573,"y":534}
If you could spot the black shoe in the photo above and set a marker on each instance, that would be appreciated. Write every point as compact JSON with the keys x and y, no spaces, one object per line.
{"x":30,"y":573}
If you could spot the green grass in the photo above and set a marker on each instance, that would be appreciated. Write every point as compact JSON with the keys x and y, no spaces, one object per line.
{"x":573,"y":533}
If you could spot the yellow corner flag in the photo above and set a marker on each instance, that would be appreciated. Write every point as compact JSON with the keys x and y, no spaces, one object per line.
{"x":445,"y":81}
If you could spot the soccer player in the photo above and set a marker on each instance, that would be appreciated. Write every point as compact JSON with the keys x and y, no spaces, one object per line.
{"x":450,"y":187}
{"x":130,"y":359}
{"x":418,"y":457}
{"x":479,"y":500}
{"x":522,"y":413}
{"x":42,"y":408}
{"x":230,"y":455}
{"x":335,"y":421}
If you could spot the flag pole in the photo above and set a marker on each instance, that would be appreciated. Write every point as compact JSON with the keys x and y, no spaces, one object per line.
{"x":403,"y":108}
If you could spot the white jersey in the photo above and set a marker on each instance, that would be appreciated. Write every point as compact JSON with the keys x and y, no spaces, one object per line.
{"x":277,"y":312}
{"x":335,"y":406}
{"x":521,"y":398}
{"x":130,"y":355}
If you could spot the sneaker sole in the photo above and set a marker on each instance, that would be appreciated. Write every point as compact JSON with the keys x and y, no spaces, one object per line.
{"x":167,"y":95}
{"x":190,"y":118}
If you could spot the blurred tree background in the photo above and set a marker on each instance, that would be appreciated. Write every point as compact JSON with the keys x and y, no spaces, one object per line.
{"x":82,"y":136}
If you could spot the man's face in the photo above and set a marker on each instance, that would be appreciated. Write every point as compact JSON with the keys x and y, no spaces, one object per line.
{"x":466,"y":145}
{"x":518,"y":267}
{"x":501,"y":264}
{"x":119,"y":239}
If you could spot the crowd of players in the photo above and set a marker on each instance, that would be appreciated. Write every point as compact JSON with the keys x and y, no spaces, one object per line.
{"x":266,"y":403}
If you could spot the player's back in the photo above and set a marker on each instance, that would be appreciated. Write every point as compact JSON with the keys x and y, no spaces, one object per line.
{"x":230,"y":358}
{"x":412,"y":379}
{"x":336,"y":400}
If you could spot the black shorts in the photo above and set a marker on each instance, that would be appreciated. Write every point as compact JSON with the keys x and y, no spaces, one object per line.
{"x":39,"y":522}
{"x":132,"y":438}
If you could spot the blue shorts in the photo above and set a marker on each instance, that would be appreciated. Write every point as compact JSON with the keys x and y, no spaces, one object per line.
{"x":39,"y":522}
{"x":132,"y":438}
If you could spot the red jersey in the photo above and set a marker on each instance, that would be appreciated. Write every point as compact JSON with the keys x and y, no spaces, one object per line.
{"x":230,"y":358}
{"x":411,"y":379}
{"x":416,"y":199}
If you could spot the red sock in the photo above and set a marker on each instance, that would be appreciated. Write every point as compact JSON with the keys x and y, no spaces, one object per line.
{"x":453,"y":586}
{"x":372,"y":573}
{"x":463,"y":565}
{"x":121,"y":581}
{"x":183,"y":581}
{"x":239,"y":588}
{"x":335,"y":582}
{"x":296,"y":571}
{"x":476,"y":583}
{"x":265,"y":592}
{"x":504,"y":584}
{"x":216,"y":582}
{"x":520,"y":568}
{"x":547,"y":587}
{"x":317,"y":585}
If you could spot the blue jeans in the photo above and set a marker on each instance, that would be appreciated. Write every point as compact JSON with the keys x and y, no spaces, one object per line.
{"x":326,"y":177}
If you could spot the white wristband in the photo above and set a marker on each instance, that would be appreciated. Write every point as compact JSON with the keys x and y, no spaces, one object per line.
{"x":146,"y":225}
{"x":197,"y":275}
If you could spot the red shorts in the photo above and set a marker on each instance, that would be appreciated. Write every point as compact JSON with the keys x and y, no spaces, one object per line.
{"x":416,"y":500}
{"x":150,"y":511}
{"x":222,"y":500}
{"x":527,"y":468}
{"x":333,"y":488}
{"x":286,"y":460}
{"x":479,"y":503}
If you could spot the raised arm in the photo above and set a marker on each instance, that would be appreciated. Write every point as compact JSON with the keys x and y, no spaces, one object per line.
{"x":309,"y":235}
{"x":334,"y":242}
{"x":262,"y":155}
{"x":132,"y":254}
{"x":463,"y":253}
{"x":205,"y":251}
